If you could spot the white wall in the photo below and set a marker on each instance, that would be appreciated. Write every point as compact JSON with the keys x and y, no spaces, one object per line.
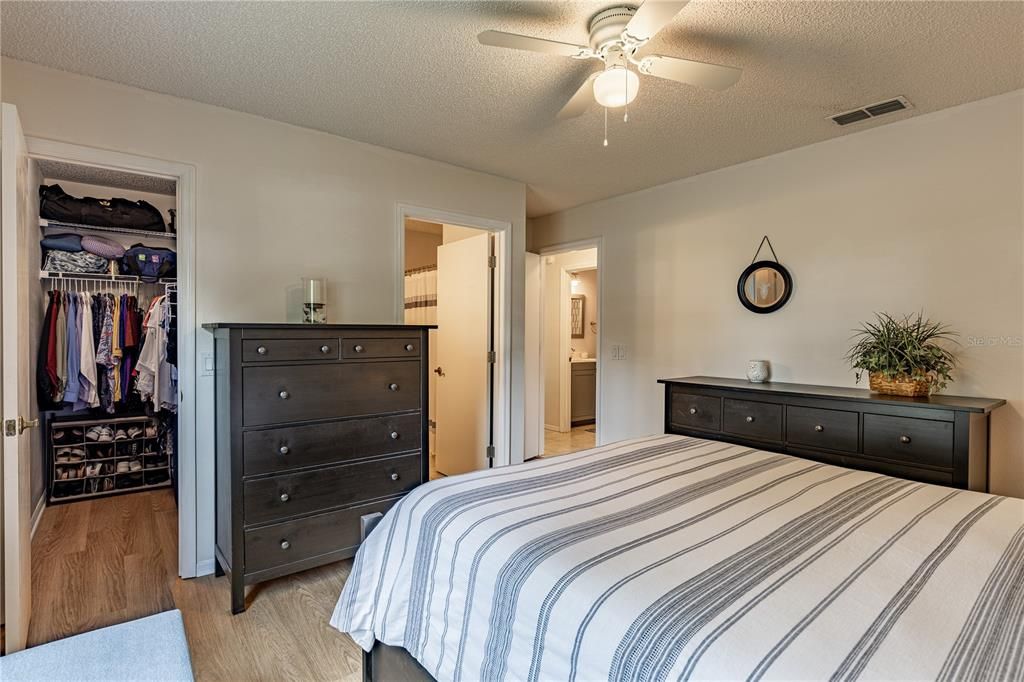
{"x":274,"y":203}
{"x":923,"y":214}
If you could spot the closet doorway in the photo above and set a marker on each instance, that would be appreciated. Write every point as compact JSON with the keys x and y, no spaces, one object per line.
{"x":452,"y":279}
{"x":103,"y":511}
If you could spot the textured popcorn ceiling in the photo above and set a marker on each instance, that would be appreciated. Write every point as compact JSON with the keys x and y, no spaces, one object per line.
{"x":90,"y":175}
{"x":411,"y":75}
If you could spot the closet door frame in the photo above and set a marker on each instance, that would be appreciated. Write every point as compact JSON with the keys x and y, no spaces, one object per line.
{"x":195,"y":480}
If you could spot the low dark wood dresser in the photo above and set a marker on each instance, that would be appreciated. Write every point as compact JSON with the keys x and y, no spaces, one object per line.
{"x":317,"y":426}
{"x":941,"y":439}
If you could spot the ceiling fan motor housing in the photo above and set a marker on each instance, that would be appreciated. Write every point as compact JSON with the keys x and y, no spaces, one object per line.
{"x":607,"y":26}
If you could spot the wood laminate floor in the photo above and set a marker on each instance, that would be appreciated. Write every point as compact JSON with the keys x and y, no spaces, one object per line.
{"x":574,"y":440}
{"x":100,"y":562}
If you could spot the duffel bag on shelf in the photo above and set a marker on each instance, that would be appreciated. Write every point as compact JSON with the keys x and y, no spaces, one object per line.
{"x":56,"y":204}
{"x":149,"y":263}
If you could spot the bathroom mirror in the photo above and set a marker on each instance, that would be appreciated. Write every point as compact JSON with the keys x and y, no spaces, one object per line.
{"x":764,"y":287}
{"x":576,"y":316}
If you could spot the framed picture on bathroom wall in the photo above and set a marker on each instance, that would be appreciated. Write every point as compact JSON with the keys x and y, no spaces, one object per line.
{"x":576,"y":316}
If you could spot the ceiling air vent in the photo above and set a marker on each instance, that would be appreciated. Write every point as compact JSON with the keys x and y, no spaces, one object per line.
{"x":871,"y":111}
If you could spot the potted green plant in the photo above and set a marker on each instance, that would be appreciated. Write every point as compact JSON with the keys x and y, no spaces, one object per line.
{"x":903,"y":356}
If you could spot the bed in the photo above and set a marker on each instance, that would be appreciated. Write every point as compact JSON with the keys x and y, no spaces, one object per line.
{"x":673,"y":557}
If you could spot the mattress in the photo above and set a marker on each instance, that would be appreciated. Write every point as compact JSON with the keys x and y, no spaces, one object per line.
{"x":680,"y":558}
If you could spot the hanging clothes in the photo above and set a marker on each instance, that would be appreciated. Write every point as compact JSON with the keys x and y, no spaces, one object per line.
{"x":88,"y":396}
{"x":156,"y":378}
{"x":46,"y":358}
{"x":61,"y":349}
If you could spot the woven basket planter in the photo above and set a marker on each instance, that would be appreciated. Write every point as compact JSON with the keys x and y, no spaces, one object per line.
{"x":900,"y":385}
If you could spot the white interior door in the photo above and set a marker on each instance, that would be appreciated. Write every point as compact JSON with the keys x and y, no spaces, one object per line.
{"x":533,"y":443}
{"x":19,"y":234}
{"x":463,"y":405}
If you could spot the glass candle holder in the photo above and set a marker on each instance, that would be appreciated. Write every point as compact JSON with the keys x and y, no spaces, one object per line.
{"x":314,"y":300}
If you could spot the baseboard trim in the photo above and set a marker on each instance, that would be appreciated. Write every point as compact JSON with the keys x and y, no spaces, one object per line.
{"x":37,"y":514}
{"x":205,"y":567}
{"x":549,"y":427}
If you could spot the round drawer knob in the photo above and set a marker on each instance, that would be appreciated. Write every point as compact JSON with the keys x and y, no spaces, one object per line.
{"x":284,"y":449}
{"x":285,"y":497}
{"x":325,"y":349}
{"x":392,"y":387}
{"x":904,"y":439}
{"x":750,"y":420}
{"x":693,"y":410}
{"x":357,"y":348}
{"x":409,"y":347}
{"x":394,"y":435}
{"x":262,"y":350}
{"x":285,"y":544}
{"x":284,"y":395}
{"x":819,"y":428}
{"x":394,"y":476}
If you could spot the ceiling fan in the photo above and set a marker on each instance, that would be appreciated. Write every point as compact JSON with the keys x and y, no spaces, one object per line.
{"x":617,"y":35}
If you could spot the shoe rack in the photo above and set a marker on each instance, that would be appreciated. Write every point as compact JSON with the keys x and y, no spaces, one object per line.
{"x":97,"y":457}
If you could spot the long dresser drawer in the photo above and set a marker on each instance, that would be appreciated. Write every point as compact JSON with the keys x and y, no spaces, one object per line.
{"x":295,"y":541}
{"x":914,"y":441}
{"x":822,"y":428}
{"x":288,"y":495}
{"x":268,"y":451}
{"x":278,"y":394}
{"x":751,"y":419}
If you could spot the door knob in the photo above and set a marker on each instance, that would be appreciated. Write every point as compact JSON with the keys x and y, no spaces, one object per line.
{"x":394,"y":476}
{"x":285,"y":544}
{"x":438,"y":371}
{"x":16,"y":428}
{"x":284,"y":449}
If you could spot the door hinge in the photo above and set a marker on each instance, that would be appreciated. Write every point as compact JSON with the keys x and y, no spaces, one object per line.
{"x":492,"y":262}
{"x":489,"y":450}
{"x":492,"y":357}
{"x":10,"y":427}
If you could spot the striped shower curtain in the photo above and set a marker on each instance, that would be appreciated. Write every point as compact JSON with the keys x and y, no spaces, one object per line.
{"x":421,"y":295}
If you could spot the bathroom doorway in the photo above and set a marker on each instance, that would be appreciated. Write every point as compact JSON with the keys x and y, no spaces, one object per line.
{"x":570,"y":350}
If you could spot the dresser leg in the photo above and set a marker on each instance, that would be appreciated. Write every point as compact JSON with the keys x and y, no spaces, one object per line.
{"x":237,"y":594}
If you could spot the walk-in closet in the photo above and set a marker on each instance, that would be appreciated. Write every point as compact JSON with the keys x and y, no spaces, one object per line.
{"x":105,"y":375}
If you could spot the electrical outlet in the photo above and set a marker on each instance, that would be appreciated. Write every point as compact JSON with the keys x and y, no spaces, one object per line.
{"x":618,"y":352}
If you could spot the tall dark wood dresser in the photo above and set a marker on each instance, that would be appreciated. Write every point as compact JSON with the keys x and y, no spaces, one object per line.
{"x":317,"y":427}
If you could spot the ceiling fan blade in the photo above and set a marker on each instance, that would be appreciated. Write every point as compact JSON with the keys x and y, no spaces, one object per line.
{"x":518,"y":42}
{"x":651,"y":17}
{"x":714,"y":76}
{"x":581,"y":100}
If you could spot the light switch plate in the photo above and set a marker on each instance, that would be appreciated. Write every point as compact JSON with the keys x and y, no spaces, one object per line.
{"x":207,"y":365}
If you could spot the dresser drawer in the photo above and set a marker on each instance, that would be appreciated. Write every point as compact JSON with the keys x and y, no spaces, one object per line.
{"x":915,"y":441}
{"x":276,"y":394}
{"x":696,"y":411}
{"x":820,"y":428}
{"x":288,"y":495}
{"x":289,"y":350}
{"x":750,"y":419}
{"x":353,"y":348}
{"x":272,"y":450}
{"x":293,"y":541}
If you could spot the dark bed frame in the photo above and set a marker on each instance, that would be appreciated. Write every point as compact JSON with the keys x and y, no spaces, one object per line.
{"x":386,"y":663}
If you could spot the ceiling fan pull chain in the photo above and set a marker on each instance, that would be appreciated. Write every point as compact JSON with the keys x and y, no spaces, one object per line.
{"x":625,"y":85}
{"x":606,"y":126}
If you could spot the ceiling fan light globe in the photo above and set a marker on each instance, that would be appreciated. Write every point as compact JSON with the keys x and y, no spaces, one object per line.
{"x":616,"y":87}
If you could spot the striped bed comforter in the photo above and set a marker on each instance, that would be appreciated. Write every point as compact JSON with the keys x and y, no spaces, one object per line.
{"x":671,"y":557}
